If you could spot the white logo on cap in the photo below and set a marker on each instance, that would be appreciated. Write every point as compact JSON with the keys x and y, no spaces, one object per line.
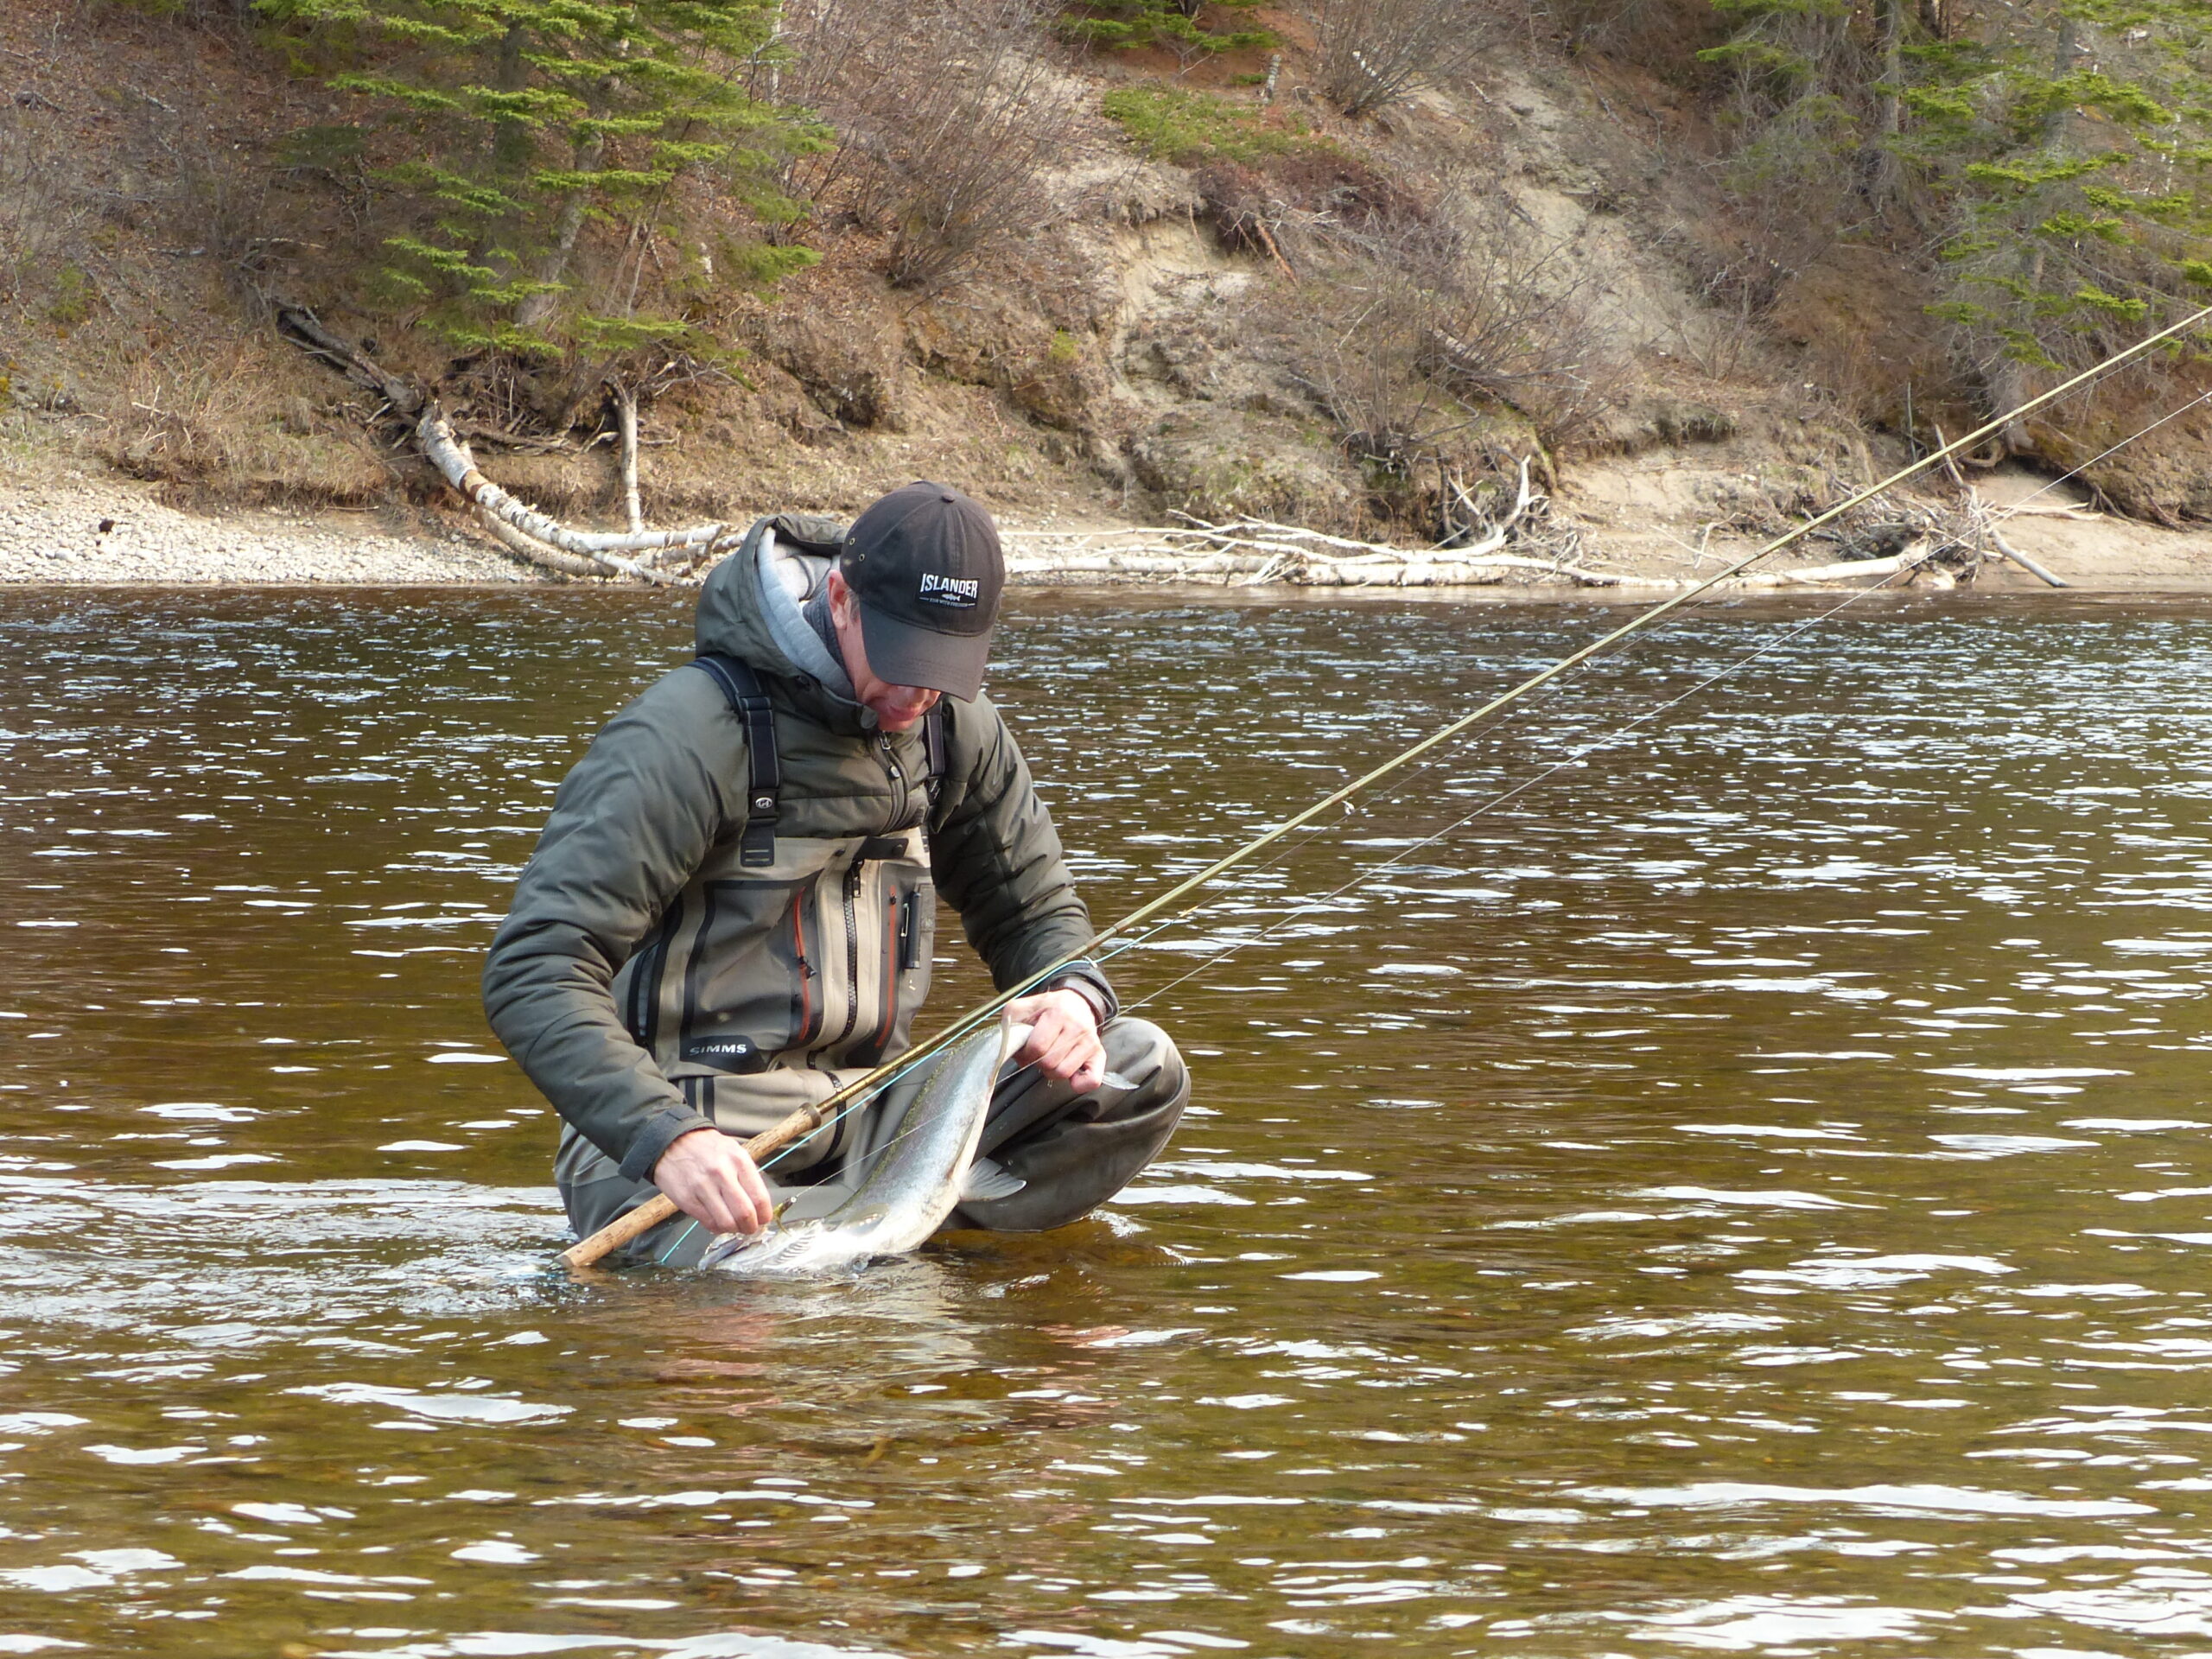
{"x":963,"y":591}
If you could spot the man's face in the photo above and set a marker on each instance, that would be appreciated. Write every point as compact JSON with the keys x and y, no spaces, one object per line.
{"x":897,"y":706}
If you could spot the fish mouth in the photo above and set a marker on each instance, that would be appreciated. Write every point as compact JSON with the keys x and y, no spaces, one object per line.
{"x":774,"y":1239}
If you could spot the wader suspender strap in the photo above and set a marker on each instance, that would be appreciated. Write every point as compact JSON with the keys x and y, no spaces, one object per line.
{"x":756,"y":847}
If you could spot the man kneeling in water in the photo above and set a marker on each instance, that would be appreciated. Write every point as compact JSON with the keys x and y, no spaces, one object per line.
{"x":732,"y":910}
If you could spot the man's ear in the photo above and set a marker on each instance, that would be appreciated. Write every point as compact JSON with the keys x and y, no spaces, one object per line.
{"x":842,"y":603}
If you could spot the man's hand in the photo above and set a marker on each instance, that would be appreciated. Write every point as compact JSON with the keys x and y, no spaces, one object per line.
{"x":713,"y":1179}
{"x":1062,"y":1038}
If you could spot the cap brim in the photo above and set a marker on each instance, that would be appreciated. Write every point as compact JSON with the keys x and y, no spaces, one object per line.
{"x":902,"y":654}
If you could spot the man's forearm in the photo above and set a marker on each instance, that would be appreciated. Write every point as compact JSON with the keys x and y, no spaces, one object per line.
{"x":555,"y":1014}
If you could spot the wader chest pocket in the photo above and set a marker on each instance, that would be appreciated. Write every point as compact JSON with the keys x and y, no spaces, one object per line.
{"x":738,"y":1054}
{"x":751,"y":982}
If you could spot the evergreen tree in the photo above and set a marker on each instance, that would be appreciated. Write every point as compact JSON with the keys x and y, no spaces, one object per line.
{"x":1177,"y":24}
{"x":2059,"y":150}
{"x":518,"y":124}
{"x":2072,"y":141}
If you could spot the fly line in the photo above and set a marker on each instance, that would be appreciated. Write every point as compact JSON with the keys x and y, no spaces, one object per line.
{"x":809,"y":1119}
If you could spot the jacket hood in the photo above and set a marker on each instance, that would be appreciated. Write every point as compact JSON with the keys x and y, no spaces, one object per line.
{"x":749,"y":608}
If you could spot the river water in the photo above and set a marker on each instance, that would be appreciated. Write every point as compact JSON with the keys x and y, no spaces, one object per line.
{"x":1745,"y":1193}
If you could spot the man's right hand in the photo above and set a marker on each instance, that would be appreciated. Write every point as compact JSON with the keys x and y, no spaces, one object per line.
{"x":711,"y":1179}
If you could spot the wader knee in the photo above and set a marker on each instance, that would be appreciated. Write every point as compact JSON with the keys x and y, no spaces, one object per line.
{"x":1074,"y":1151}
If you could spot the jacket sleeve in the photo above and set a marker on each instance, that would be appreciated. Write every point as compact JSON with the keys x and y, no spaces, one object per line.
{"x":996,"y":858}
{"x":630,"y":823}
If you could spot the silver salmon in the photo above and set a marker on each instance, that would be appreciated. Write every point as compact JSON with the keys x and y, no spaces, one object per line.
{"x":914,"y":1183}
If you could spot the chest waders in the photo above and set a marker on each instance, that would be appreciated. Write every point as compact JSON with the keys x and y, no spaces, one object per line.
{"x":789,"y":965}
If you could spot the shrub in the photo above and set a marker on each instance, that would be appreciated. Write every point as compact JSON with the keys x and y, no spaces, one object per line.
{"x":72,"y":298}
{"x":1369,"y":52}
{"x":1286,"y":206}
{"x":1409,"y":345}
{"x":947,"y":118}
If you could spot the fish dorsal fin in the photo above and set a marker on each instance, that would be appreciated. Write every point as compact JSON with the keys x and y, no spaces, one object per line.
{"x":987,"y":1179}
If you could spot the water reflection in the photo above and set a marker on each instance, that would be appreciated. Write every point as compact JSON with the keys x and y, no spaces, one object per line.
{"x":1741,"y":1195}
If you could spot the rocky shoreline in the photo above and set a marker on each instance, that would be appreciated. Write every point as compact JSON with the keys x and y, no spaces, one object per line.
{"x":77,"y":527}
{"x":86,"y":529}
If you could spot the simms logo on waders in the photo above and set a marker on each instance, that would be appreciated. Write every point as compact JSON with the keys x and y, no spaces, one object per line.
{"x":962,"y":591}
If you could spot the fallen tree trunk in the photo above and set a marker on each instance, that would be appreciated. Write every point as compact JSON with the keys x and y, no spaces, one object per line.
{"x":542,"y":540}
{"x":1996,"y":539}
{"x":434,"y":434}
{"x":1296,"y":567}
{"x":305,"y":330}
{"x":1894,"y":565}
{"x":550,"y":558}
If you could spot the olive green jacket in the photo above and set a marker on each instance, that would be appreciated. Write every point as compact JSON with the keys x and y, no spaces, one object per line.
{"x":649,"y":984}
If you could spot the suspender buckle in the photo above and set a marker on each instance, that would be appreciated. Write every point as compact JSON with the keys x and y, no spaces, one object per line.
{"x":748,"y":701}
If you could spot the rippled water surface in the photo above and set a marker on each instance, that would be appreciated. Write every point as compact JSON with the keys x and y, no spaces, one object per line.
{"x":1745,"y":1193}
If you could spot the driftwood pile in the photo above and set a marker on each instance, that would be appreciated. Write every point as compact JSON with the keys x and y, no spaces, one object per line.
{"x":1492,"y":541}
{"x":1251,"y":552}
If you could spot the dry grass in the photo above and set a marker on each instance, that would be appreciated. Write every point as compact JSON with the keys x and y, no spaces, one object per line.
{"x":229,"y":416}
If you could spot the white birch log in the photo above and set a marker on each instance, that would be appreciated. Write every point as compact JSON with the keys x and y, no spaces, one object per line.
{"x":546,"y":558}
{"x":1846,"y":571}
{"x":451,"y":457}
{"x":1136,"y":564}
{"x":1299,"y":568}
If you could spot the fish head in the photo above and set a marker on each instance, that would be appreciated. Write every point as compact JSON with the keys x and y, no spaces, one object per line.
{"x":751,"y":1255}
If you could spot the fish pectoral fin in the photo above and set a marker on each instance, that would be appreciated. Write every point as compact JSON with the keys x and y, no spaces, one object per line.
{"x":987,"y":1178}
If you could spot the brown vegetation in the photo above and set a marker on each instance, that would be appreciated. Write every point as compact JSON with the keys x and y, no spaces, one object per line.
{"x":1356,"y":296}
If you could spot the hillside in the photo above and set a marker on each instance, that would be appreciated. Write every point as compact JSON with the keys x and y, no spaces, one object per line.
{"x":1225,"y":298}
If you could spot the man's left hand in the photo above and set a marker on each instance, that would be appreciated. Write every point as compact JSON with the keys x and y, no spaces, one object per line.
{"x":1062,"y":1038}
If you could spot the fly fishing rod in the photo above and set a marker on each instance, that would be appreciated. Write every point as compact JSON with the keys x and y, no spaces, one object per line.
{"x":809,"y":1119}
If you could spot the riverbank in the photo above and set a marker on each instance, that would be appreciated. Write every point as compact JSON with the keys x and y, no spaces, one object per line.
{"x":87,"y":526}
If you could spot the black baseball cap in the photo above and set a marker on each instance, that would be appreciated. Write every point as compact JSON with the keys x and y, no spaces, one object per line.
{"x":924,"y":562}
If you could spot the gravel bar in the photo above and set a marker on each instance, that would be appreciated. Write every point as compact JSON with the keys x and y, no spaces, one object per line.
{"x":110,"y":531}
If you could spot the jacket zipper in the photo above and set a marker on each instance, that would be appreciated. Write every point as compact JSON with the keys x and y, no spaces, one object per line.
{"x":898,"y":818}
{"x":644,"y":985}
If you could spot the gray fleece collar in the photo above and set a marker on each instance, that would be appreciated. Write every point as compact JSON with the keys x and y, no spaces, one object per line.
{"x":794,"y":635}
